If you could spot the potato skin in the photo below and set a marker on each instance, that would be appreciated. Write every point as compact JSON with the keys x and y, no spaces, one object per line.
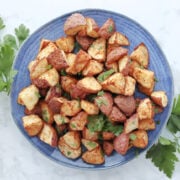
{"x":116,"y":115}
{"x":84,"y":41}
{"x":89,"y":108}
{"x":92,"y":28}
{"x":87,"y":134}
{"x":147,"y":124}
{"x":67,"y":82}
{"x":108,"y":148}
{"x":107,"y":136}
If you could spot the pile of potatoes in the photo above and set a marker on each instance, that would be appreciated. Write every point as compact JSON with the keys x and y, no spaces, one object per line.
{"x":90,"y":61}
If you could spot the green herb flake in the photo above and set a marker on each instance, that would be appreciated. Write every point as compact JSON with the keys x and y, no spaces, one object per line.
{"x":100,"y":93}
{"x":63,"y":72}
{"x":101,"y":101}
{"x":37,"y":94}
{"x":73,"y":125}
{"x":68,"y":153}
{"x":110,"y":29}
{"x":158,"y":122}
{"x":132,"y":136}
{"x":155,"y":79}
{"x":1,"y":24}
{"x":45,"y":115}
{"x":91,"y":144}
{"x":49,"y":66}
{"x":103,"y":76}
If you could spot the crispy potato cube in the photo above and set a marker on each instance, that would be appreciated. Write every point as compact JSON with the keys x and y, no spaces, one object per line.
{"x":70,"y":58}
{"x":116,"y":54}
{"x":67,"y":150}
{"x":67,"y":82}
{"x":47,"y":114}
{"x":92,"y":68}
{"x":115,"y":83}
{"x":108,"y":148}
{"x":84,"y":41}
{"x":74,"y":23}
{"x":90,"y":145}
{"x":132,"y":66}
{"x":145,"y":109}
{"x":116,"y":115}
{"x":92,"y":28}
{"x":97,"y":50}
{"x":118,"y":39}
{"x":70,"y":108}
{"x":107,"y":136}
{"x":72,"y":139}
{"x":123,"y":65}
{"x":54,"y":91}
{"x":141,"y":55}
{"x":160,"y":98}
{"x":48,"y":135}
{"x":32,"y":124}
{"x":144,"y":77}
{"x":89,"y":85}
{"x":57,"y":59}
{"x":87,"y":134}
{"x":43,"y":44}
{"x":78,"y":122}
{"x":130,"y":85}
{"x":141,"y":139}
{"x":59,"y":119}
{"x":38,"y":68}
{"x":65,"y":43}
{"x":145,"y":90}
{"x":147,"y":124}
{"x":131,"y":124}
{"x":107,"y":29}
{"x":45,"y":52}
{"x":113,"y":66}
{"x":31,"y":64}
{"x":29,"y":97}
{"x":82,"y":59}
{"x":54,"y":104}
{"x":77,"y":93}
{"x":94,"y":157}
{"x":89,"y":107}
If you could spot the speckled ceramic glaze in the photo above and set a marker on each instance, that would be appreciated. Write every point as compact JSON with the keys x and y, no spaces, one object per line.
{"x":136,"y":34}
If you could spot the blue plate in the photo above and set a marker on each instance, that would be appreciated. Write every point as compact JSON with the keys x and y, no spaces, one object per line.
{"x":53,"y":30}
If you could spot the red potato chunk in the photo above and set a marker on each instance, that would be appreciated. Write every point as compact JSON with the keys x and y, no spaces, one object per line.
{"x":108,"y":148}
{"x":116,"y":115}
{"x":84,"y":41}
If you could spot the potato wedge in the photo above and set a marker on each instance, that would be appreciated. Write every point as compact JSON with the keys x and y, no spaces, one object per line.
{"x":90,"y":145}
{"x":77,"y":92}
{"x":144,"y":77}
{"x":84,"y":41}
{"x":89,"y":85}
{"x":29,"y":97}
{"x":141,"y":55}
{"x":74,"y":23}
{"x":123,"y":65}
{"x":47,"y":79}
{"x":48,"y":135}
{"x":116,"y":115}
{"x":147,"y":124}
{"x":141,"y":139}
{"x":130,"y":85}
{"x":67,"y":82}
{"x":131,"y":124}
{"x":70,"y":58}
{"x":145,"y":90}
{"x":78,"y":122}
{"x":43,"y":44}
{"x":89,"y":108}
{"x":93,"y":157}
{"x":55,"y":104}
{"x":97,"y":50}
{"x":59,"y":119}
{"x":87,"y":134}
{"x":160,"y":98}
{"x":115,"y":83}
{"x":47,"y":114}
{"x":67,"y":150}
{"x":70,"y":108}
{"x":107,"y":136}
{"x":118,"y":39}
{"x":113,"y":66}
{"x":132,"y":66}
{"x":54,"y":91}
{"x":72,"y":139}
{"x":145,"y":109}
{"x":92,"y":68}
{"x":45,"y":52}
{"x":107,"y":29}
{"x":92,"y":28}
{"x":108,"y":148}
{"x":65,"y":43}
{"x":57,"y":59}
{"x":32,"y":124}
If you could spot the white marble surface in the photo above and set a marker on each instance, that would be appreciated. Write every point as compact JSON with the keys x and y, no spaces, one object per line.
{"x":18,"y":159}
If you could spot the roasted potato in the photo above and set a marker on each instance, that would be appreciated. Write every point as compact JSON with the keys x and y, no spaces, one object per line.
{"x":145,"y":90}
{"x":113,"y":66}
{"x":54,"y":91}
{"x":107,"y":136}
{"x":141,"y":55}
{"x":84,"y":41}
{"x":65,"y":43}
{"x":48,"y":135}
{"x":89,"y":108}
{"x":32,"y":124}
{"x":77,"y":92}
{"x":87,"y":134}
{"x":89,"y":85}
{"x":93,"y":157}
{"x":116,"y":115}
{"x":118,"y":39}
{"x":92,"y":28}
{"x":29,"y":97}
{"x":97,"y":50}
{"x":160,"y":98}
{"x":147,"y":124}
{"x":43,"y":44}
{"x":74,"y":23}
{"x":59,"y":119}
{"x":70,"y":58}
{"x":123,"y":65}
{"x":67,"y":82}
{"x":55,"y":104}
{"x":90,"y":145}
{"x":130,"y":85}
{"x":108,"y":148}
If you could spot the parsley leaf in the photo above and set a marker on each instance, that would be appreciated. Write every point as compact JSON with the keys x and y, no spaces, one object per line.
{"x":1,"y":23}
{"x":163,"y":156}
{"x":101,"y":101}
{"x":103,"y":76}
{"x":10,"y":40}
{"x":110,"y":29}
{"x":22,"y":33}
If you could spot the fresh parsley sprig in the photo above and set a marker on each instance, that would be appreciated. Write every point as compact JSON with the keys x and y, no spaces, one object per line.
{"x":9,"y":45}
{"x":163,"y":153}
